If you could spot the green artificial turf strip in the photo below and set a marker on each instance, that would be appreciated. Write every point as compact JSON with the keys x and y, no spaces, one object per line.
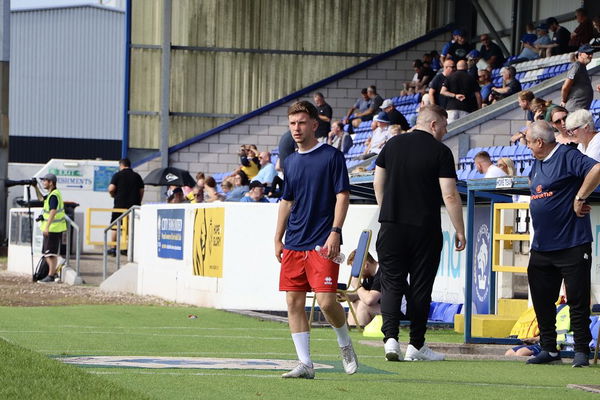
{"x":167,"y":331}
{"x":25,"y":374}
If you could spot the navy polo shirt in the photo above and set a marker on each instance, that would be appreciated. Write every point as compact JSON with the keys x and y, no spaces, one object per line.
{"x":554,"y":185}
{"x":312,"y":181}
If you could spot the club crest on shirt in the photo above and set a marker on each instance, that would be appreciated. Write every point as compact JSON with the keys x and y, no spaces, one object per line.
{"x":538,"y":189}
{"x":328,"y":281}
{"x":540,"y":193}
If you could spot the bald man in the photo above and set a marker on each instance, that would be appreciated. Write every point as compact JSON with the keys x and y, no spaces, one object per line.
{"x":462,"y":91}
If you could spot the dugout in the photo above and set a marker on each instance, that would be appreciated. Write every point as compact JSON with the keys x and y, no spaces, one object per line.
{"x":486,"y":200}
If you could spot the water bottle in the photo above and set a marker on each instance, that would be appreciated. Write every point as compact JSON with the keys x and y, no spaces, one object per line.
{"x":323,"y":253}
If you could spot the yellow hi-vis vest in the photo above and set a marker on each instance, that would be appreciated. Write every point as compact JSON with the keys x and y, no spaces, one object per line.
{"x":59,"y":224}
{"x":563,"y":324}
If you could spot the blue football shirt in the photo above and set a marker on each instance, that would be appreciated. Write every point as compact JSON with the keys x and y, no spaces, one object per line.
{"x":554,"y":185}
{"x":312,"y":181}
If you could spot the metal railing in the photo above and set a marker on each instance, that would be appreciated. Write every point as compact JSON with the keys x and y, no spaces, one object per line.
{"x":77,"y":244}
{"x":118,"y":223}
{"x":89,"y":225}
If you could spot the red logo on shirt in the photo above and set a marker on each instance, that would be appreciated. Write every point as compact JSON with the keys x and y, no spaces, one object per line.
{"x":539,"y":189}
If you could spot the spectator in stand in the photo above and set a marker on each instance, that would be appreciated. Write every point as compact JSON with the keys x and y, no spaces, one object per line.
{"x":541,"y":109}
{"x":584,"y":31}
{"x":459,"y":49}
{"x":507,"y":165}
{"x":525,"y":99}
{"x":190,"y":195}
{"x":286,"y":146}
{"x":484,"y":165}
{"x":595,"y":42}
{"x":423,"y":75}
{"x":267,"y":169}
{"x":196,"y":195}
{"x":560,"y":38}
{"x":490,"y":52}
{"x":249,"y":161}
{"x":325,"y":115}
{"x":485,"y":83}
{"x":558,"y":118}
{"x":226,"y":187}
{"x":577,"y":90}
{"x":175,"y":195}
{"x":256,"y":194}
{"x":395,"y":130}
{"x":438,"y":81}
{"x":380,"y":135}
{"x":362,"y":104}
{"x":338,"y":138}
{"x":446,"y":48}
{"x":463,"y":92}
{"x":543,"y":40}
{"x":395,"y":116}
{"x":472,"y":59}
{"x":376,"y":101}
{"x":240,"y":186}
{"x":210,"y":190}
{"x":531,"y":43}
{"x":435,"y":61}
{"x":365,"y":301}
{"x":580,"y":125}
{"x":510,"y":85}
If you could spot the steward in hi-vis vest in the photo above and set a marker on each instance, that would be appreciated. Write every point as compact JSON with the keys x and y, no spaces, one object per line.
{"x":53,"y":224}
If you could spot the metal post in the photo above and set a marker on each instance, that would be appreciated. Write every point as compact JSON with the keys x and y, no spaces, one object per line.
{"x":165,"y":84}
{"x":68,"y":254}
{"x":118,"y":247}
{"x":105,"y":256}
{"x":490,"y":27}
{"x":131,"y":236}
{"x":469,"y":266}
{"x":4,"y":84}
{"x":127,"y":81}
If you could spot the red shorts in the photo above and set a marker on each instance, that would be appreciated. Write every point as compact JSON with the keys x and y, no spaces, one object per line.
{"x":305,"y":271}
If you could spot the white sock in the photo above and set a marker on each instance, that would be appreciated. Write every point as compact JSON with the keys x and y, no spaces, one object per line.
{"x":302,"y":344}
{"x":553,"y":354}
{"x":343,"y":337}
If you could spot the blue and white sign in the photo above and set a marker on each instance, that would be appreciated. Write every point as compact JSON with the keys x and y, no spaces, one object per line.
{"x":170,"y":225}
{"x":481,"y":262}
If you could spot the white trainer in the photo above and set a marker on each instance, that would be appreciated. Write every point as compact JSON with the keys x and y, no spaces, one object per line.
{"x":349,"y":359}
{"x":425,"y":354}
{"x":301,"y":371}
{"x":392,"y":350}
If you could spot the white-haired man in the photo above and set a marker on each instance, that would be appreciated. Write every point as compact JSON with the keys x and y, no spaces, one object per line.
{"x":580,"y":126}
{"x":561,"y":179}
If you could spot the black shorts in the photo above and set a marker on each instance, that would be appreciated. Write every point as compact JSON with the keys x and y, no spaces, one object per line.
{"x":52,"y":243}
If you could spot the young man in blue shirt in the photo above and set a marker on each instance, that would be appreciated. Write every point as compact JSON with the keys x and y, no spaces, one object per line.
{"x":312,"y":211}
{"x":561,"y":179}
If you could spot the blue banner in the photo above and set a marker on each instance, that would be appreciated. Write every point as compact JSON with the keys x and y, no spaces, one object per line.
{"x":481,"y":260}
{"x":170,"y":225}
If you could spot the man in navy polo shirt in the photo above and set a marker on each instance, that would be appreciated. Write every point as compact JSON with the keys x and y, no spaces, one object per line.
{"x":561,"y":180}
{"x":312,"y":211}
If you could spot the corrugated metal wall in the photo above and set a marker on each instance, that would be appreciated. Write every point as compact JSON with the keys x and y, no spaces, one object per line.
{"x":66,"y":73}
{"x":240,"y":55}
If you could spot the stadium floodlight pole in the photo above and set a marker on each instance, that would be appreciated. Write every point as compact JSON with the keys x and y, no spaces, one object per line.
{"x":4,"y":78}
{"x":165,"y":84}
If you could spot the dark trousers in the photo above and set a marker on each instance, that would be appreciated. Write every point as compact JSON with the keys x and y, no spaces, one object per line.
{"x":545,"y":272}
{"x":407,"y":250}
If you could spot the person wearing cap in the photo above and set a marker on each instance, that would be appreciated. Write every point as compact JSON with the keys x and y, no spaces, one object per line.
{"x":560,"y":38}
{"x":463,"y":92}
{"x":576,"y":91}
{"x":256,"y":194}
{"x":52,"y":225}
{"x":444,"y":52}
{"x":490,"y":52}
{"x":380,"y":136}
{"x":395,"y":117}
{"x":472,"y":59}
{"x":459,"y":49}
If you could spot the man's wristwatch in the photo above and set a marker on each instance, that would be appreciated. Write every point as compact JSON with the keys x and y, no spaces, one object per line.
{"x":336,"y":230}
{"x":577,"y":198}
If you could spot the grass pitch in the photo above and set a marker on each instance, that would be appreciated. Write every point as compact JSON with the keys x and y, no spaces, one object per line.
{"x":35,"y":335}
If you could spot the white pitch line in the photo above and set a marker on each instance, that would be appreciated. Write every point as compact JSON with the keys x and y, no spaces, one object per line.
{"x":163,"y":327}
{"x":46,"y":332}
{"x":104,"y":352}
